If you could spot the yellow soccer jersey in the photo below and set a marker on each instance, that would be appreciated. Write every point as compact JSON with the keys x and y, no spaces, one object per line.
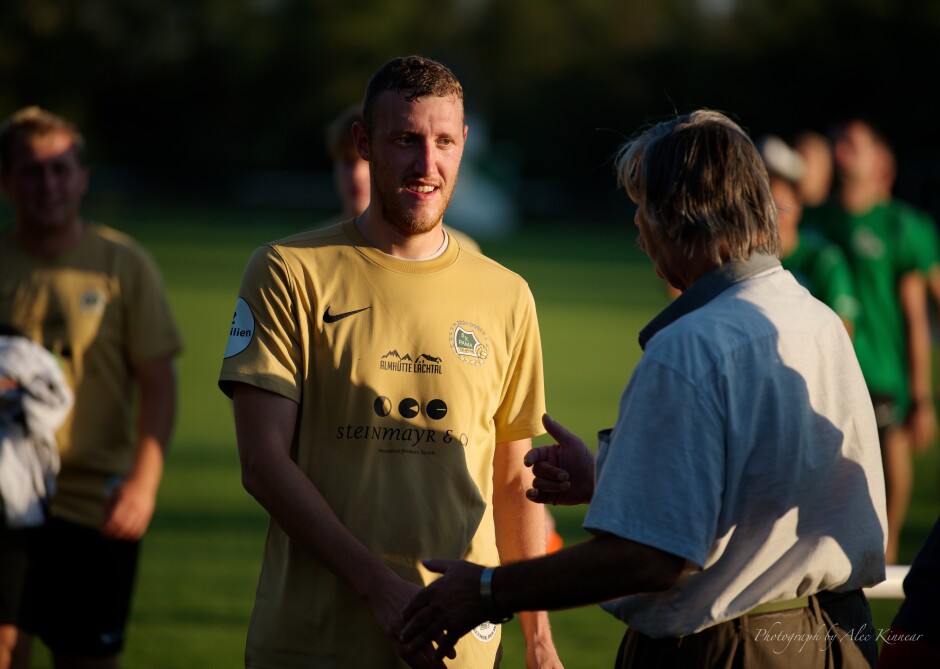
{"x":99,"y":307}
{"x":407,"y":374}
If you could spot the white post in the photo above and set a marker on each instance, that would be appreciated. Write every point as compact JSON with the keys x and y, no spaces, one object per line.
{"x":892,"y":586}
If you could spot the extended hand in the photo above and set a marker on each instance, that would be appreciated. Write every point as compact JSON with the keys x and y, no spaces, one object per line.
{"x":564,"y":472}
{"x":445,"y":610}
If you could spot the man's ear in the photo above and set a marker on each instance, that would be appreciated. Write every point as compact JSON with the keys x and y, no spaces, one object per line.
{"x":360,"y":139}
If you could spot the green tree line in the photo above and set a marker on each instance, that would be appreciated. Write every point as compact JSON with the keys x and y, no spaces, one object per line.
{"x":199,"y":89}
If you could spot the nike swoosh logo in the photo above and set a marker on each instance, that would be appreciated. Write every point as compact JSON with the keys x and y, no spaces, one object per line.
{"x":332,"y":318}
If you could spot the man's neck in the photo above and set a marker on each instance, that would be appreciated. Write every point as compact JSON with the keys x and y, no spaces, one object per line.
{"x":389,"y":239}
{"x":858,"y":197}
{"x":789,"y":240}
{"x":50,"y":244}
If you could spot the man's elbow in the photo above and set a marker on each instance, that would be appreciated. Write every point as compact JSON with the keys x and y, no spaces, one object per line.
{"x":664,"y":571}
{"x":252,"y":479}
{"x":250,"y":482}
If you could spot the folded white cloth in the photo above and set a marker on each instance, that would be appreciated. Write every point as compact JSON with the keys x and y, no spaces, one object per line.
{"x":35,"y":401}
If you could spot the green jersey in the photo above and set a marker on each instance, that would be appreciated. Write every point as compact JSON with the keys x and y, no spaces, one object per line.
{"x":881,"y":247}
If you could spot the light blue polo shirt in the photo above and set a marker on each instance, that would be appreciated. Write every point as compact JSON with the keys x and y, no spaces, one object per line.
{"x":746,"y":444}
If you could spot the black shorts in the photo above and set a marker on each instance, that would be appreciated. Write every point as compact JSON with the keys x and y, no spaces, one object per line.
{"x":78,"y":593}
{"x":886,"y":411}
{"x":14,"y":561}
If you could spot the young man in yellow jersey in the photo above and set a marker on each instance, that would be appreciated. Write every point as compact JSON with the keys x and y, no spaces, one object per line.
{"x":386,"y":386}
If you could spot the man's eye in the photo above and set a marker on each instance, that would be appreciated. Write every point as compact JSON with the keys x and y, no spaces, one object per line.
{"x":404,"y":141}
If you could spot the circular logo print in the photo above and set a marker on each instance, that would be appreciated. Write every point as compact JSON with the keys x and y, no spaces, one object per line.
{"x":243,"y":329}
{"x":436,"y":409}
{"x":408,"y":407}
{"x":382,"y":406}
{"x":92,"y":301}
{"x":485,"y":632}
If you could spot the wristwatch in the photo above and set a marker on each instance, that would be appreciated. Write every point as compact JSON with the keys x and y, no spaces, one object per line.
{"x":486,"y":598}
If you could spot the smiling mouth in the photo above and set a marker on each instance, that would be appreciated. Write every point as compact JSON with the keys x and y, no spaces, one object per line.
{"x":422,"y":189}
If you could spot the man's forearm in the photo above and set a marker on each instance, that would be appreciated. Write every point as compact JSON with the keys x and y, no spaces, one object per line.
{"x":264,"y":427}
{"x":593,"y":571}
{"x":520,"y":535}
{"x":156,"y":380}
{"x":913,"y":293}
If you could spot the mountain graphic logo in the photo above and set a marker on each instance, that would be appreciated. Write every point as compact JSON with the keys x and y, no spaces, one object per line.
{"x":395,"y":354}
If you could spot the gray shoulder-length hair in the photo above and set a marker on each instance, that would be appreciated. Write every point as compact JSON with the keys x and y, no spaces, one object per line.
{"x":700,"y":182}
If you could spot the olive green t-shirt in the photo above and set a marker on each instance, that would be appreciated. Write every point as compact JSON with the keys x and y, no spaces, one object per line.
{"x":100,"y":307}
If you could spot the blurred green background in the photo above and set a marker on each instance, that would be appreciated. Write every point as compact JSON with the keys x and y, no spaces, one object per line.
{"x":228,"y":98}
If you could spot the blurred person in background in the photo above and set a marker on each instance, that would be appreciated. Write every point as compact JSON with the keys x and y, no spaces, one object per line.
{"x":815,"y":184}
{"x":738,"y":501}
{"x":913,"y":641}
{"x":892,"y":332}
{"x":350,"y":171}
{"x":386,"y":384}
{"x":818,"y":264}
{"x":94,"y":298}
{"x":922,"y":223}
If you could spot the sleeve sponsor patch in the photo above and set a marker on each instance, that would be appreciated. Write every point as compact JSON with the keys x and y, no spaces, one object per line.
{"x":243,"y":329}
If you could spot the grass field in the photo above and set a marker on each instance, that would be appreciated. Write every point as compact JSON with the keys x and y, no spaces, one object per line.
{"x":594,"y":291}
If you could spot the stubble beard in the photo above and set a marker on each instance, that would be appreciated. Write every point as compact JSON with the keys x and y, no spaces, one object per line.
{"x":418,"y":221}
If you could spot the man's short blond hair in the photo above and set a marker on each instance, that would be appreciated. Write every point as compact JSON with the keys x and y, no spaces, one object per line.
{"x":31,"y":122}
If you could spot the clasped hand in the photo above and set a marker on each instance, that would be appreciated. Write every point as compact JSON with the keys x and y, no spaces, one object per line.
{"x":440,"y":614}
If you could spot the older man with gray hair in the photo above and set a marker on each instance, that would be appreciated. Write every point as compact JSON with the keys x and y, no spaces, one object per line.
{"x":737,"y":505}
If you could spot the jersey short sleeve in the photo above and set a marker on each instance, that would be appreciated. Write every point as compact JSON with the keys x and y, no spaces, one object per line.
{"x":151,"y":329}
{"x":916,"y":249}
{"x":925,"y":243}
{"x":263,"y":348}
{"x":523,"y":397}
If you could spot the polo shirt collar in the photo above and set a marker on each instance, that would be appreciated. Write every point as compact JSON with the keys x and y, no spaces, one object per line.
{"x":706,"y":289}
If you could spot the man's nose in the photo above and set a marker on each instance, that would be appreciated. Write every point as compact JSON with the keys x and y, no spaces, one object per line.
{"x":424,"y":160}
{"x":47,"y":177}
